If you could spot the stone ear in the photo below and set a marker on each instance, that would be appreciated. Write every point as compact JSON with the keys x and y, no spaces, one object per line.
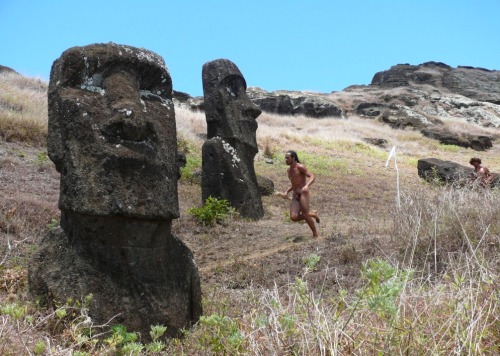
{"x":55,"y":148}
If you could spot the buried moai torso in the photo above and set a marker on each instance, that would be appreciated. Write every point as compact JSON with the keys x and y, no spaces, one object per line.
{"x":112,"y":136}
{"x":228,"y":154}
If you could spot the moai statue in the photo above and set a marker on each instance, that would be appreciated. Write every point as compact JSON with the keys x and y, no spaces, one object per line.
{"x":112,"y":137}
{"x":228,"y":153}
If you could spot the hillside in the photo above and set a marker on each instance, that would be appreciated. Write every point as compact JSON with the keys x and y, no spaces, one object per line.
{"x":259,"y":297}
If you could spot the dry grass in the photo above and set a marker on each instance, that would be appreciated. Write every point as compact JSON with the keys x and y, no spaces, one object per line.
{"x":357,"y":297}
{"x":23,"y":109}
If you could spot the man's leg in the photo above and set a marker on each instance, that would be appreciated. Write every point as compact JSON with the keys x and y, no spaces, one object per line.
{"x":295,"y":214}
{"x":304,"y":212}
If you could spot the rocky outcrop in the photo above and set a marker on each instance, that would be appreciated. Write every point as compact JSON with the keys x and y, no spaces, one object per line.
{"x":475,"y":83}
{"x":295,"y":103}
{"x":476,"y":142}
{"x":4,"y":69}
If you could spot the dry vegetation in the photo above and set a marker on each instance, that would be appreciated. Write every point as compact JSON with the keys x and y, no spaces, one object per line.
{"x":419,"y":278}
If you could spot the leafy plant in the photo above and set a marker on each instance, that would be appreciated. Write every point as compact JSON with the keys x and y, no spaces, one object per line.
{"x":192,"y":163}
{"x":120,"y":336}
{"x":157,"y":331}
{"x":42,"y":157}
{"x":383,"y":285}
{"x":53,"y":224}
{"x":132,"y":348}
{"x":14,"y":310}
{"x":213,"y":211}
{"x":39,"y":347}
{"x":311,"y":262}
{"x":222,"y":334}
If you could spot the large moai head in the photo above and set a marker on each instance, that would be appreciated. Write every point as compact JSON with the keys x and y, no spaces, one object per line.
{"x":112,"y":132}
{"x":229,"y":112}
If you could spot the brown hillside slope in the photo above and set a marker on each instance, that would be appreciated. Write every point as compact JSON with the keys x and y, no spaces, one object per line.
{"x":354,"y":194}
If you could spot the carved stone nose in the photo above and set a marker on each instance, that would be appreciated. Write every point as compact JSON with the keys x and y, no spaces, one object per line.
{"x":252,"y":111}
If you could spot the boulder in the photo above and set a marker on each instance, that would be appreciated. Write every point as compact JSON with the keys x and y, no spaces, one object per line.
{"x":475,"y":142}
{"x":266,"y":185}
{"x":445,"y":171}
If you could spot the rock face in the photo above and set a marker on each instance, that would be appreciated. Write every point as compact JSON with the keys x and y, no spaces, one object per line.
{"x":295,"y":103}
{"x":112,"y":137}
{"x":4,"y":69}
{"x":475,"y":83}
{"x":476,"y":142}
{"x":231,"y":145}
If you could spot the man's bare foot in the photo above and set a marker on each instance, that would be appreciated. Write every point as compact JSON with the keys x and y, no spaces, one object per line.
{"x":317,"y":237}
{"x":314,"y":214}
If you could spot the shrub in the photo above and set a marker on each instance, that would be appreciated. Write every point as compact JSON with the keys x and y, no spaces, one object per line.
{"x":214,"y":211}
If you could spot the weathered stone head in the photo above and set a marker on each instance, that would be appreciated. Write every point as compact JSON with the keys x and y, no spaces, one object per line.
{"x":228,"y":153}
{"x":112,"y":133}
{"x":112,"y":136}
{"x":229,"y":112}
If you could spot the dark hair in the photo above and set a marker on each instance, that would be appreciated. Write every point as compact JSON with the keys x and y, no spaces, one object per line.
{"x":475,"y":159}
{"x":293,"y":154}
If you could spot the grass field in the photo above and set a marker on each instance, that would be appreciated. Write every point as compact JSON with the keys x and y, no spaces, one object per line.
{"x":418,"y":277}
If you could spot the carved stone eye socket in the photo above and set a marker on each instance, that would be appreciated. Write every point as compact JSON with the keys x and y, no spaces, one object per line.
{"x":234,"y":86}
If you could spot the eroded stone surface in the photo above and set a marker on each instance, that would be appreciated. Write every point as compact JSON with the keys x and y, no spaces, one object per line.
{"x":231,"y":145}
{"x":112,"y":137}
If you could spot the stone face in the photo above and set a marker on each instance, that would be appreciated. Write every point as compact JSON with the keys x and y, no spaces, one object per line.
{"x":112,"y":137}
{"x":228,"y":154}
{"x":112,"y":132}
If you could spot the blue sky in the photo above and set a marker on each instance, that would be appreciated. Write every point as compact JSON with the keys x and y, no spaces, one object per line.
{"x":321,"y":46}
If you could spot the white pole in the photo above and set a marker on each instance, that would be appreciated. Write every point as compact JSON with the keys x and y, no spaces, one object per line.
{"x":393,"y":154}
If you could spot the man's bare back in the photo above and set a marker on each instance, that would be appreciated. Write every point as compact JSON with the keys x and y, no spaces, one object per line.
{"x":300,"y":179}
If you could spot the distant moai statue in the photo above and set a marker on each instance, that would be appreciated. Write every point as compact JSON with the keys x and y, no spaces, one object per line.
{"x":112,"y":137}
{"x":228,"y":153}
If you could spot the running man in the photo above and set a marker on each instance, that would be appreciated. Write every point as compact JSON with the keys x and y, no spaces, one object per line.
{"x":299,"y":207}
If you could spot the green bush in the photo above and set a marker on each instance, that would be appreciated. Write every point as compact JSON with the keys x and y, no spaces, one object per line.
{"x":214,"y":211}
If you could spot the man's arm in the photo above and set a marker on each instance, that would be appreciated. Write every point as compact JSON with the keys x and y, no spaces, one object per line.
{"x":309,"y":175}
{"x":488,"y":177}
